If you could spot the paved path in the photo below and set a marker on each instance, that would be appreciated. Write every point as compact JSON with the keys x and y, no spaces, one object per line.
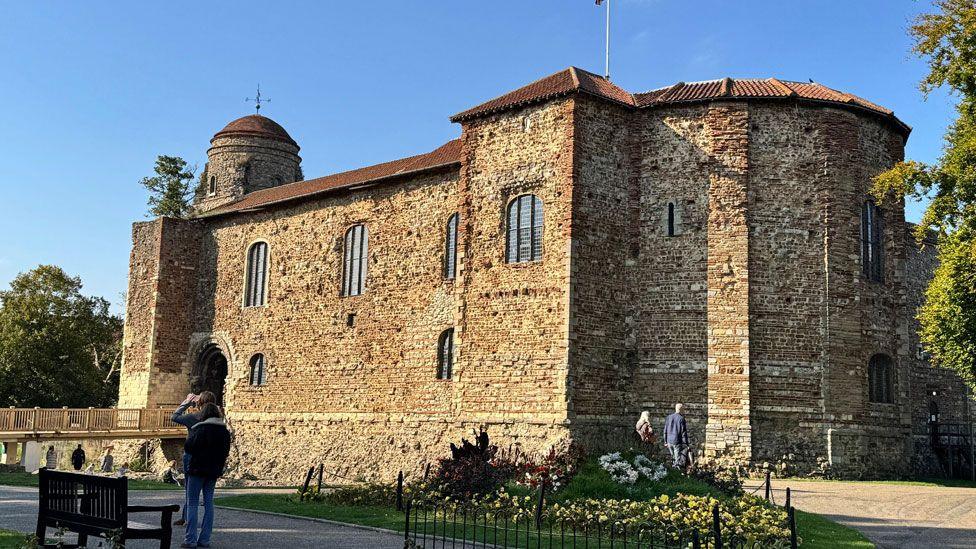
{"x":234,"y":528}
{"x":890,"y":515}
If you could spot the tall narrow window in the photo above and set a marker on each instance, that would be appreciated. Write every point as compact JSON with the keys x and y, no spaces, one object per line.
{"x":258,"y":373}
{"x":445,"y":354}
{"x":524,"y":229}
{"x":256,"y":282}
{"x":881,"y":379}
{"x":354,"y":260}
{"x":872,"y":241}
{"x":212,"y":189}
{"x":450,"y":248}
{"x":671,"y":221}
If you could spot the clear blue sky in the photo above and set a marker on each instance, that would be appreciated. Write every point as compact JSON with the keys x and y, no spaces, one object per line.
{"x":91,"y":92}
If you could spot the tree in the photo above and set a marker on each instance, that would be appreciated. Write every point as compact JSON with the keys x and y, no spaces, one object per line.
{"x":169,"y":190}
{"x":947,"y":40}
{"x":57,"y":346}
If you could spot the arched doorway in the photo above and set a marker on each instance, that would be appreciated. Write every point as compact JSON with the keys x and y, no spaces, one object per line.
{"x":212,"y":372}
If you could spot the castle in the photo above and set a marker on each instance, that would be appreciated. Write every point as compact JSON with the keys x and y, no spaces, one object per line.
{"x":579,"y":254}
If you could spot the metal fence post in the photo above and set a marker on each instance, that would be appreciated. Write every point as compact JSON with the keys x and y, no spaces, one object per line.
{"x":792,"y":518}
{"x":768,"y":487}
{"x":717,"y":527}
{"x":406,"y":528}
{"x":787,"y":497}
{"x":320,"y":478}
{"x":308,"y":479}
{"x":399,"y":492}
{"x":538,"y":507}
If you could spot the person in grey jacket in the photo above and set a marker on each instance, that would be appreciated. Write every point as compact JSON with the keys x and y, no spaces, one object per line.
{"x":676,"y":437}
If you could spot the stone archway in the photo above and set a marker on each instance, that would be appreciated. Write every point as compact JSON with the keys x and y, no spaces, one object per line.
{"x":211,"y":372}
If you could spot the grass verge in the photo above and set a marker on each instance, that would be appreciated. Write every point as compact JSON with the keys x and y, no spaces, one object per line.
{"x":11,"y":540}
{"x":945,"y":483}
{"x":819,"y":532}
{"x":27,"y":479}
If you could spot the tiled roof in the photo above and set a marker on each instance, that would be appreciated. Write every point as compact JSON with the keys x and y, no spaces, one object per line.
{"x":256,"y":125}
{"x":564,"y":82}
{"x":446,"y":155}
{"x":573,"y":80}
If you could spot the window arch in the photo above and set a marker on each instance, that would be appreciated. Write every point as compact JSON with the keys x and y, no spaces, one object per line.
{"x":933,"y":411}
{"x":256,"y":277}
{"x":212,"y":188}
{"x":524,"y":229}
{"x":445,"y":354}
{"x":450,"y":248}
{"x":259,"y":374}
{"x":356,"y":249}
{"x":881,"y":379}
{"x":872,"y":241}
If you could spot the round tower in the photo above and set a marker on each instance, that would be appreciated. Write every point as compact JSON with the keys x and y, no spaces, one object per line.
{"x":249,"y":154}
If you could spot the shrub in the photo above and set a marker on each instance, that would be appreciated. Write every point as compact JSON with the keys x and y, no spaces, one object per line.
{"x":554,"y":470}
{"x":469,"y":471}
{"x":715,"y":474}
{"x":623,"y":471}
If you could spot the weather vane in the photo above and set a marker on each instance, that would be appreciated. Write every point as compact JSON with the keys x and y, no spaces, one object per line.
{"x":257,"y":101}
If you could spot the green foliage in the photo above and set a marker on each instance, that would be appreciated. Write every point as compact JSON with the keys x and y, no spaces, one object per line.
{"x":57,"y":346}
{"x":947,"y":39}
{"x":169,"y":190}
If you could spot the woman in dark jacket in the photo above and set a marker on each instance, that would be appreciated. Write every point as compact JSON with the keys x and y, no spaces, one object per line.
{"x":208,"y":446}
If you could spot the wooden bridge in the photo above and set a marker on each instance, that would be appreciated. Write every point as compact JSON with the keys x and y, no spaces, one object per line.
{"x":23,"y":424}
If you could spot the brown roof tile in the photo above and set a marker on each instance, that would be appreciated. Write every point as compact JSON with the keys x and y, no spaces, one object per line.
{"x":443,"y":156}
{"x":564,"y":82}
{"x":256,"y":125}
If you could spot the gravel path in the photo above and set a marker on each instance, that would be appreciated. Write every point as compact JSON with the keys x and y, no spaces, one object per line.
{"x":890,"y":515}
{"x":233,"y":529}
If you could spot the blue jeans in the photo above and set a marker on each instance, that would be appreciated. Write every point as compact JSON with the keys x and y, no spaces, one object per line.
{"x":186,"y":467}
{"x":676,"y":454}
{"x":194,"y":485}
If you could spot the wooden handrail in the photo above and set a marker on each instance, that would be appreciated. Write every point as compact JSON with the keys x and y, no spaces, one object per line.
{"x":38,"y":421}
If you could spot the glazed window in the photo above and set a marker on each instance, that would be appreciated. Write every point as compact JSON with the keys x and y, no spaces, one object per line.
{"x":354,"y":260}
{"x":524,"y":229}
{"x":256,"y":277}
{"x":872,"y":242}
{"x":259,"y":376}
{"x":671,"y":222}
{"x":881,"y":379}
{"x":450,"y":248}
{"x":212,"y":188}
{"x":445,"y":354}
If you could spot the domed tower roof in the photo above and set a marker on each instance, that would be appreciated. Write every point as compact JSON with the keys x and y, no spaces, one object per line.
{"x":255,"y":125}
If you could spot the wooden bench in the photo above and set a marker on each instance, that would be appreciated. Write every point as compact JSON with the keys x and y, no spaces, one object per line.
{"x":96,"y":506}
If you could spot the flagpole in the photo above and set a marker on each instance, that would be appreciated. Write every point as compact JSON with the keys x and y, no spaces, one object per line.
{"x":607,"y":75}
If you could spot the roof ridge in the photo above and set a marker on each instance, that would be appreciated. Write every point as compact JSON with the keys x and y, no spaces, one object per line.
{"x":726,"y":89}
{"x":574,"y":76}
{"x":786,"y":89}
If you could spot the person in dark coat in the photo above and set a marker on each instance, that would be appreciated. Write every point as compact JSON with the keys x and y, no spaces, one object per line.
{"x":208,"y":446}
{"x":188,"y":420}
{"x":676,"y":437}
{"x":78,"y":458}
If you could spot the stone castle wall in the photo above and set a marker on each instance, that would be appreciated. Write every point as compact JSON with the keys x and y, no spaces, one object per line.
{"x":754,"y":314}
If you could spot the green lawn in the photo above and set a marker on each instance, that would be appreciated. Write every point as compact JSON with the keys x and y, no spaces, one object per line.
{"x":27,"y":479}
{"x":591,"y":482}
{"x":818,"y":532}
{"x":11,"y":540}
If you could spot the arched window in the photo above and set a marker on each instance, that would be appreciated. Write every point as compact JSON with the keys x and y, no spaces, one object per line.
{"x":259,"y":376}
{"x":672,"y":222}
{"x":881,"y":379}
{"x":872,"y":241}
{"x":450,"y":248}
{"x":354,"y":260}
{"x":445,"y":354}
{"x":256,"y":277}
{"x":212,"y":189}
{"x":524,"y":229}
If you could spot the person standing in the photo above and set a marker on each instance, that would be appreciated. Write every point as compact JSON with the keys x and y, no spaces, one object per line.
{"x":676,"y":437}
{"x":189,"y":420}
{"x":208,"y":446}
{"x":644,"y":429}
{"x":78,"y":458}
{"x":108,"y":461}
{"x":51,"y":460}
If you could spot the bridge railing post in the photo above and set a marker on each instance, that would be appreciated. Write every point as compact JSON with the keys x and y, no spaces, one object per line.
{"x":65,"y":423}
